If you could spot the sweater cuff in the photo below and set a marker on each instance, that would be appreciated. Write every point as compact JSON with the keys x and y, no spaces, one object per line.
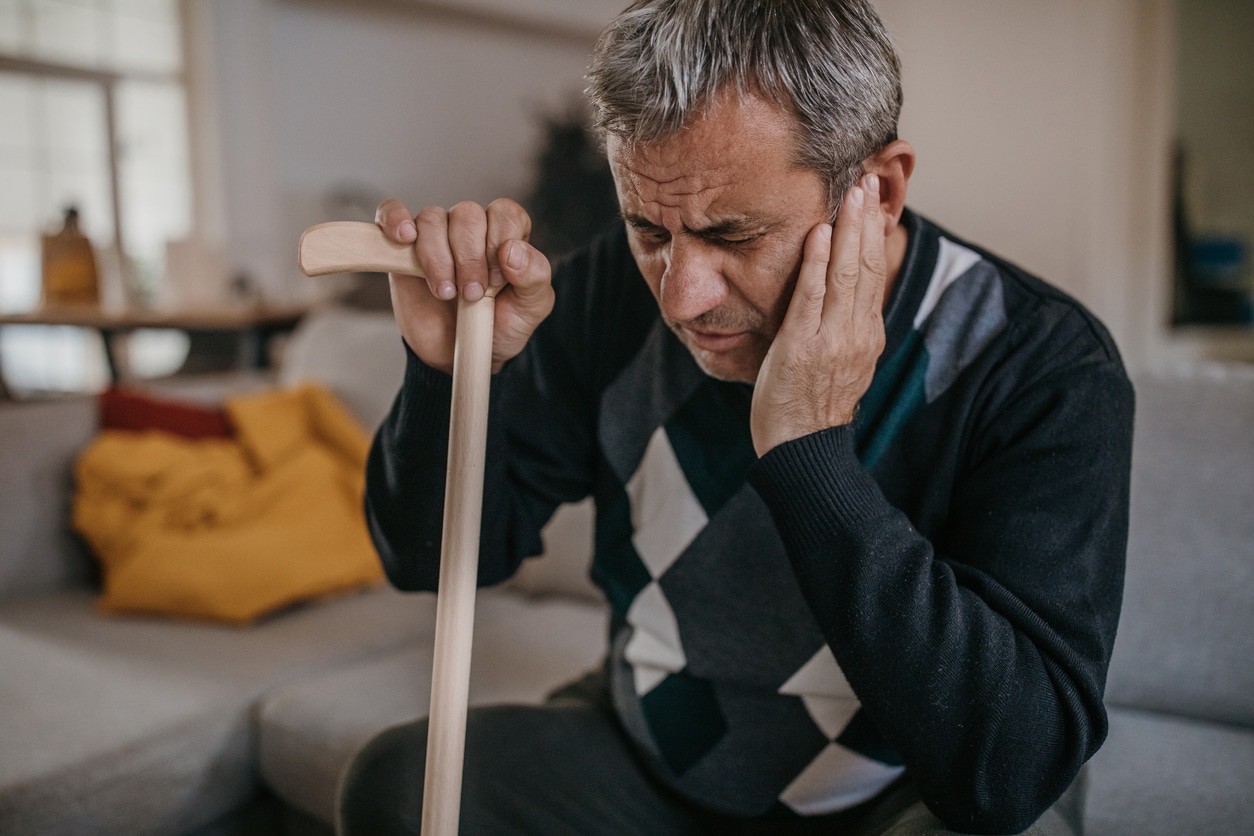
{"x":419,"y":375}
{"x":423,"y":402}
{"x":815,"y":486}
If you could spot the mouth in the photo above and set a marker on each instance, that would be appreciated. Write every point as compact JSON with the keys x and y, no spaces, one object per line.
{"x":715,"y":341}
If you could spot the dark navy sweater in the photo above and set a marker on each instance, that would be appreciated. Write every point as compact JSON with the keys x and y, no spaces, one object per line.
{"x":933,"y":589}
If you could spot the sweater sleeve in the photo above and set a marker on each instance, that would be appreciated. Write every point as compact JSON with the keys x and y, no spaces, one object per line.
{"x":980,"y":657}
{"x":540,"y":451}
{"x":542,"y":424}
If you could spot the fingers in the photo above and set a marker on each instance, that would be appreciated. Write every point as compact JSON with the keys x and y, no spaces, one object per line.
{"x":507,"y":221}
{"x":806,"y":308}
{"x":467,"y":234}
{"x":459,"y":249}
{"x":434,"y":252}
{"x":846,"y":265}
{"x":869,"y":295}
{"x":451,"y":250}
{"x":464,"y":251}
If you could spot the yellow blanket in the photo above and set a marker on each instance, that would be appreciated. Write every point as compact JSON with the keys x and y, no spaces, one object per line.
{"x":230,"y":529}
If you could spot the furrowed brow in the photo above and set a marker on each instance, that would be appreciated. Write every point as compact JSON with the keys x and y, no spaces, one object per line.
{"x":640,"y":222}
{"x":729,"y":227}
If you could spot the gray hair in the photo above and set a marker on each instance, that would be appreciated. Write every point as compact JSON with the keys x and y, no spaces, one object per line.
{"x":830,"y":63}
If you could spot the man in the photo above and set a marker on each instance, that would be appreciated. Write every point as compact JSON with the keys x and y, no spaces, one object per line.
{"x":861,"y":487}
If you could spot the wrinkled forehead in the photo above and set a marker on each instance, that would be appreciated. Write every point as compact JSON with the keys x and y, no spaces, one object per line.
{"x":738,"y":140}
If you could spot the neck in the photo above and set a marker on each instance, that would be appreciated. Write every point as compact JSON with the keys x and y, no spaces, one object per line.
{"x":895,"y":253}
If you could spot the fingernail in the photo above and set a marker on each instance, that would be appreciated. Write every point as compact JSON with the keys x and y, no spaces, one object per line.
{"x":408,"y":230}
{"x":516,"y":257}
{"x":855,"y":196}
{"x":495,"y":277}
{"x":473,"y":292}
{"x":873,"y":183}
{"x":446,"y":290}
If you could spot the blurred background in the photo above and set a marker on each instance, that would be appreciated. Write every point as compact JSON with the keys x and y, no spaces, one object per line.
{"x":1106,"y":145}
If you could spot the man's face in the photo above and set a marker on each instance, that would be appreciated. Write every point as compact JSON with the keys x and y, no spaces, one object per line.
{"x":716,"y":217}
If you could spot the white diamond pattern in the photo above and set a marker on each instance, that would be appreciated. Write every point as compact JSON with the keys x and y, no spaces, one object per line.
{"x":665,"y":515}
{"x":830,"y":714}
{"x":665,"y":518}
{"x":835,"y":780}
{"x":821,"y":675}
{"x":654,"y":649}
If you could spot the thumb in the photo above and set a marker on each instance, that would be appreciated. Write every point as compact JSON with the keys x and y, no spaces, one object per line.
{"x":525,"y":269}
{"x":529,"y":280}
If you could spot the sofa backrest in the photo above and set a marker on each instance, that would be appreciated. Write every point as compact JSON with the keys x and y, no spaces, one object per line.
{"x":1186,"y":638}
{"x":38,"y":444}
{"x":359,"y":355}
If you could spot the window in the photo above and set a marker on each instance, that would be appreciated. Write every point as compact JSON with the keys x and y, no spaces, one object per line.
{"x":95,"y":117}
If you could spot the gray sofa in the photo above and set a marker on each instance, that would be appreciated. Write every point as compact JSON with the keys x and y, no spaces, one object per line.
{"x":133,"y":725}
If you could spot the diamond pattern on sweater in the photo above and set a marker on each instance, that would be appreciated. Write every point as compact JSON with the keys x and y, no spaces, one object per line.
{"x":654,"y":649}
{"x":835,"y":780}
{"x":665,"y":515}
{"x":856,"y":762}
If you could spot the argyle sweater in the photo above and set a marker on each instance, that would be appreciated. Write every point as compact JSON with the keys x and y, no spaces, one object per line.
{"x":934,"y":588}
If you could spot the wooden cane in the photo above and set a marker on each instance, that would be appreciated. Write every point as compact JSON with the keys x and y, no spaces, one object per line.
{"x":343,"y":247}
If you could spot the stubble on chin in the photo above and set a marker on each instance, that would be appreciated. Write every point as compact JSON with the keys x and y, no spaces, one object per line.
{"x":740,"y":366}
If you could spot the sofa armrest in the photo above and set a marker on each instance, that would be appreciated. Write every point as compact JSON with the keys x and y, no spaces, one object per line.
{"x":38,"y":444}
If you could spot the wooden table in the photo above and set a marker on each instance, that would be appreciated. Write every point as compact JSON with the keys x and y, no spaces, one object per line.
{"x":253,"y":326}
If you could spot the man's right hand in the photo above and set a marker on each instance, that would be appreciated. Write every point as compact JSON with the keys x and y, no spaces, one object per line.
{"x":463,"y":251}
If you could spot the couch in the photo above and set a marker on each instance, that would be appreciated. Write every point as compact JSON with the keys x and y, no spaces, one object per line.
{"x":144,"y":725}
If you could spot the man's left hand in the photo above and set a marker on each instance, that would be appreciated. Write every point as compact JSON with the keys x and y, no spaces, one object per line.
{"x":823,"y":358}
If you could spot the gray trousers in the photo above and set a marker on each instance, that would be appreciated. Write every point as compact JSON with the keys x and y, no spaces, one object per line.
{"x":567,"y":769}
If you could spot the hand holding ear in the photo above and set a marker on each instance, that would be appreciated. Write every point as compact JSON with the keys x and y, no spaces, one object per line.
{"x":823,"y":359}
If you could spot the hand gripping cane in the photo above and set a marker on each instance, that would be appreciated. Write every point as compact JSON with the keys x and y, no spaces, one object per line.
{"x":348,"y":247}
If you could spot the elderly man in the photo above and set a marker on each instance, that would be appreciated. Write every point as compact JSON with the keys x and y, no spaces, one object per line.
{"x":861,"y":487}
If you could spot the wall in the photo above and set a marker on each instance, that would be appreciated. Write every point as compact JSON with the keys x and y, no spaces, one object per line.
{"x":1042,"y":128}
{"x":298,"y":100}
{"x":1035,"y":126}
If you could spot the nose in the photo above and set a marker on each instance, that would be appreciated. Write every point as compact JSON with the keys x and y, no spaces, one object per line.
{"x":692,"y":283}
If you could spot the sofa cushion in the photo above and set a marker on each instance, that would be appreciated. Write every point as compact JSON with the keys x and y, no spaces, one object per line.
{"x":128,"y":725}
{"x":563,"y":567}
{"x":38,"y":443}
{"x":90,"y":748}
{"x":1166,"y":776}
{"x":359,"y":355}
{"x":309,"y":730}
{"x":1186,"y":636}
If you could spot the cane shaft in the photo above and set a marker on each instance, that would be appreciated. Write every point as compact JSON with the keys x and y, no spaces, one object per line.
{"x":455,"y":604}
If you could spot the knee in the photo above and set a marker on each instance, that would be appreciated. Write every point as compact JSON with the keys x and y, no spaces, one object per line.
{"x":381,"y":792}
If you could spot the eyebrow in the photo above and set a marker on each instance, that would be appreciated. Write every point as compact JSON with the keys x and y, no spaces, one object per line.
{"x":731,"y":226}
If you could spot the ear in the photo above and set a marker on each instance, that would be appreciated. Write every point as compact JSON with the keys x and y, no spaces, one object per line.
{"x":894,"y":163}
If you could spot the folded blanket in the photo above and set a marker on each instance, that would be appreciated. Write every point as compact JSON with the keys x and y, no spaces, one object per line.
{"x":230,"y":529}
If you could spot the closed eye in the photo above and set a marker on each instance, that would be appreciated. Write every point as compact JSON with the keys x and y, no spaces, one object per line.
{"x":727,"y":234}
{"x":646,"y":231}
{"x":735,"y":240}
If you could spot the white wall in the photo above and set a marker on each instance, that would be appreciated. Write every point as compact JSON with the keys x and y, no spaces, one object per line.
{"x":1035,"y":129}
{"x":301,"y":99}
{"x":1042,"y":128}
